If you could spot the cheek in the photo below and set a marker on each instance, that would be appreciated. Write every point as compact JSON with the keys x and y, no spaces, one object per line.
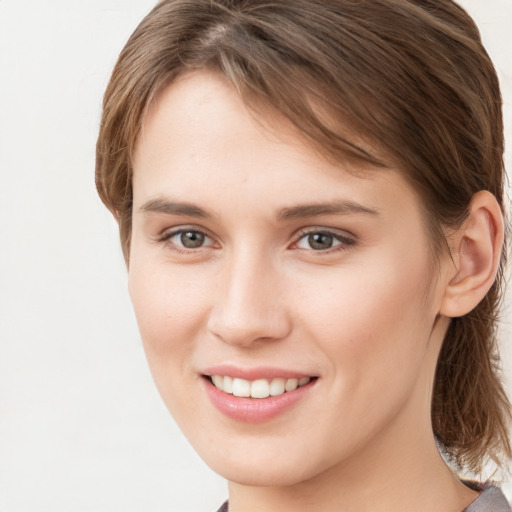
{"x":372,"y":319}
{"x":170,"y":307}
{"x":373,"y":333}
{"x":165,"y":300}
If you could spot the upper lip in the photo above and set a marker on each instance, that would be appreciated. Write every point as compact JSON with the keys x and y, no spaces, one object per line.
{"x":254,"y":373}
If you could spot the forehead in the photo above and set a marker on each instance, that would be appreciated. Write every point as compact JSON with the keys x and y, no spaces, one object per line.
{"x":334,"y":137}
{"x":199,"y":139}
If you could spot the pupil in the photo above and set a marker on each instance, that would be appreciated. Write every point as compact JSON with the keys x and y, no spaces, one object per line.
{"x":320,"y":241}
{"x":192,"y":239}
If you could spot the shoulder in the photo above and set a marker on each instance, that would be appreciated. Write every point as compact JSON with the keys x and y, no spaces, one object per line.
{"x":224,"y":507}
{"x":491,"y":499}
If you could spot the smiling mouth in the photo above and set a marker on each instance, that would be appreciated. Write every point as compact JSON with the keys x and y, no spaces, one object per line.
{"x":260,"y":388}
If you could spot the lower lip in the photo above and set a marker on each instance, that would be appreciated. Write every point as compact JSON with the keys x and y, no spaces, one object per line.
{"x":254,"y":410}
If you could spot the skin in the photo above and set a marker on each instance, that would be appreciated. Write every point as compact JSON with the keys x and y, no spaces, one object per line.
{"x":364,"y":316}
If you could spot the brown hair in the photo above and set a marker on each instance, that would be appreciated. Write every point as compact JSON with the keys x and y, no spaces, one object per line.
{"x":409,"y":77}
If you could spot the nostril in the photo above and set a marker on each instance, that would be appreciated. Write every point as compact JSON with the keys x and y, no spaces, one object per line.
{"x":246,"y":314}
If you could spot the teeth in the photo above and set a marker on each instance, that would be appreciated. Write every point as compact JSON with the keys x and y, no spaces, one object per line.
{"x":291,"y":384}
{"x":277,"y":387}
{"x":260,"y":388}
{"x":228,"y":385}
{"x":218,"y":381}
{"x":241,"y":387}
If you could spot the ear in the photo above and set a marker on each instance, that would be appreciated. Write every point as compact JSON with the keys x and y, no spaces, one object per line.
{"x":476,"y":253}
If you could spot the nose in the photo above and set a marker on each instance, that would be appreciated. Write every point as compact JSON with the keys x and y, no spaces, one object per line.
{"x":250,"y":305}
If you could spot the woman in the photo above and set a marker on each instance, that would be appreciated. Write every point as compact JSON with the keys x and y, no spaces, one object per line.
{"x":310,"y":202}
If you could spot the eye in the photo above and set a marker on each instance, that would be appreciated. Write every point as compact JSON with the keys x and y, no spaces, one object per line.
{"x":190,"y":239}
{"x":323,"y":241}
{"x":187,"y":239}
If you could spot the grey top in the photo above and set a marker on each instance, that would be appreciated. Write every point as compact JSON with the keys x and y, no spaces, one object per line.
{"x":491,"y":499}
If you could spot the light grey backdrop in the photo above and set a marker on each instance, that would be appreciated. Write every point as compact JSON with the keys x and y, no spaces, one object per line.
{"x":82,"y":428}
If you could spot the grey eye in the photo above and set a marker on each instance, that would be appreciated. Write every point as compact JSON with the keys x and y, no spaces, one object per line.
{"x":191,"y":239}
{"x":323,"y":241}
{"x":318,"y":241}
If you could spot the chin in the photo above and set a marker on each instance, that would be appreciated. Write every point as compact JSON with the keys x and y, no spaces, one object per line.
{"x":258,"y":474}
{"x":252,"y":464}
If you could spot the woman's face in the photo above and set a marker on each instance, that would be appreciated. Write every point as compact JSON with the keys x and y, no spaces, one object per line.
{"x":258,"y":265}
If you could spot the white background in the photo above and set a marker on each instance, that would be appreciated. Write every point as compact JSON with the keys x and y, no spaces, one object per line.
{"x":82,"y":428}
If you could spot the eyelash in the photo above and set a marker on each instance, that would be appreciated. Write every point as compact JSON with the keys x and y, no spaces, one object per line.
{"x":344,"y":242}
{"x":169,"y":235}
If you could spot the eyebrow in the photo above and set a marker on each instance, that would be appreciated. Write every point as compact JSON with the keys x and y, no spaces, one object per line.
{"x":332,"y":208}
{"x":175,"y":208}
{"x":294,"y":212}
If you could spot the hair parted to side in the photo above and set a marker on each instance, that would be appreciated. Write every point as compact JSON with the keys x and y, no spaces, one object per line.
{"x":409,"y":77}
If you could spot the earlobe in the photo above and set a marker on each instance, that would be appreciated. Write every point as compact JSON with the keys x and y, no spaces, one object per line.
{"x":476,"y":254}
